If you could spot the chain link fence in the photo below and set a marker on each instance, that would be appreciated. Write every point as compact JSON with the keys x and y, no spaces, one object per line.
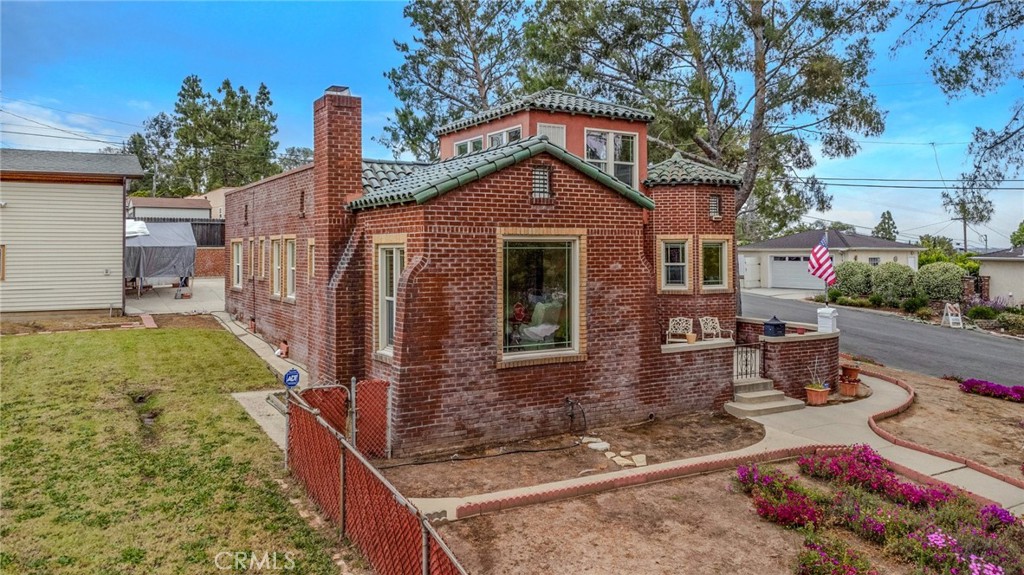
{"x":391,"y":533}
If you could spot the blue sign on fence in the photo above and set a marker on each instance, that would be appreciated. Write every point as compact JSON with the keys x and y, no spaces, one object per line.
{"x":291,"y":377}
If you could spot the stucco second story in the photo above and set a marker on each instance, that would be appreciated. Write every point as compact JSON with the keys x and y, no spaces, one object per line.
{"x":610,"y":137}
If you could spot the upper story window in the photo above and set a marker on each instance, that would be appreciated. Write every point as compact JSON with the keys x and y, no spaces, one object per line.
{"x":715,"y":206}
{"x":504,"y":137}
{"x":613,"y":153}
{"x":554,"y":132}
{"x":466,"y":146}
{"x":673,"y":261}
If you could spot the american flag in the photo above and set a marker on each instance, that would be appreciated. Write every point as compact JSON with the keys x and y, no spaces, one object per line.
{"x":821,"y":264}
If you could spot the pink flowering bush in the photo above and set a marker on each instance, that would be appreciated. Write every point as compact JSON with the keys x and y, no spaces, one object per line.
{"x":987,"y":388}
{"x":863,"y":467}
{"x":831,"y":557}
{"x":778,"y":498}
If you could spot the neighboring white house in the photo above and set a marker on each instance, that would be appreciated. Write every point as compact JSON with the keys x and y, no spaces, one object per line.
{"x":216,"y":199}
{"x":782,"y":262}
{"x":1006,"y":272}
{"x":62,"y":229}
{"x":146,"y":207}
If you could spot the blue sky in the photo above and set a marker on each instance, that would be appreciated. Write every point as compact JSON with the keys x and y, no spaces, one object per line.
{"x":100,"y":69}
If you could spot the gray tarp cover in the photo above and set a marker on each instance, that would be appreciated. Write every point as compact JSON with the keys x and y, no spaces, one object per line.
{"x":168,"y":251}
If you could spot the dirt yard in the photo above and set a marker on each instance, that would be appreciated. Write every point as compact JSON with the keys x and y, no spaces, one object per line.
{"x":680,"y":437}
{"x":985,"y":429}
{"x":21,"y":323}
{"x":697,"y":524}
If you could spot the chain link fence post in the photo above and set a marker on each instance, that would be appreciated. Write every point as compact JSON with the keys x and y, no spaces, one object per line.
{"x":353,"y":412}
{"x":341,"y":486}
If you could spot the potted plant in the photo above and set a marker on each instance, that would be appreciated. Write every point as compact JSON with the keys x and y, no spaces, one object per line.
{"x":818,"y":390}
{"x":851,"y":371}
{"x":691,"y":337}
{"x":848,"y":387}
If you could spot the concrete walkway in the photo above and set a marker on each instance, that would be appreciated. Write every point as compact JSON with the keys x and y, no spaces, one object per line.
{"x":207,"y":297}
{"x":844,"y":424}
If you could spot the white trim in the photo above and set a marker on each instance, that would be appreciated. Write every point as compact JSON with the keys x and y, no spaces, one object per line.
{"x":610,"y":149}
{"x":687,"y":250}
{"x":469,"y":148}
{"x":382,"y":345}
{"x":504,"y":135}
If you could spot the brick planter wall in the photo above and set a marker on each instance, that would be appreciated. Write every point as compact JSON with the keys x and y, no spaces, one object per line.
{"x":210,"y":262}
{"x":788,"y":361}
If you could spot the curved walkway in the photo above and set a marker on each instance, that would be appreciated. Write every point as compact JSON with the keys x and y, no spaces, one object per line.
{"x":786,"y":435}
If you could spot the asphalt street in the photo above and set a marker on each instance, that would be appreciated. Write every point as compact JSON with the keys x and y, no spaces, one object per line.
{"x":896,"y":342}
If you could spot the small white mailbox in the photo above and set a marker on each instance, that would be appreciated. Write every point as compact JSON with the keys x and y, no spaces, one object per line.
{"x":827,"y":319}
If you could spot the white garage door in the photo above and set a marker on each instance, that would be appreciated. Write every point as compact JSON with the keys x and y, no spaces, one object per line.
{"x":791,"y":272}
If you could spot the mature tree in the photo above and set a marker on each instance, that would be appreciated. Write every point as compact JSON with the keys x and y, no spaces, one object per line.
{"x":938,"y":243}
{"x":464,"y":58}
{"x":977,"y":46}
{"x":820,"y":225}
{"x":1017,"y":237}
{"x":886,"y":228}
{"x":969,"y":205}
{"x":294,"y":157}
{"x":747,"y":86}
{"x":225,"y":142}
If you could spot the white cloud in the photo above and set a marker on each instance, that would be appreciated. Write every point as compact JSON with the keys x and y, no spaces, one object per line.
{"x":23,"y":125}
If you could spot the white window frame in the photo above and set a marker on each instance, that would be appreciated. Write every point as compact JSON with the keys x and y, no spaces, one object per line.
{"x":236,"y":263}
{"x":503,"y":133}
{"x":875,"y":261}
{"x":469,"y":145}
{"x":560,"y":127}
{"x":609,"y":162}
{"x":577,"y":305}
{"x":275,"y":267}
{"x":395,"y":273}
{"x":289,"y":268}
{"x":663,"y":264}
{"x":262,"y":257}
{"x":311,"y":258}
{"x":252,"y":258}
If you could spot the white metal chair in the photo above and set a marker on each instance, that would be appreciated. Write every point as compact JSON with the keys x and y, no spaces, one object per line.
{"x":709,"y":326}
{"x":678,"y":327}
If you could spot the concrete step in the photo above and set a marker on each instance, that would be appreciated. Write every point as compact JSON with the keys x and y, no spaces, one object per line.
{"x":745,"y":410}
{"x":751,"y":384}
{"x":765,"y":396}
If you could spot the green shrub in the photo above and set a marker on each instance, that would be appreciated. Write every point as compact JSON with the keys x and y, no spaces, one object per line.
{"x":876,"y":300}
{"x":925,"y":313}
{"x":941,"y":281}
{"x":1011,"y":322}
{"x":912,"y":304}
{"x":981,"y":312}
{"x":820,"y":298}
{"x":844,"y":301}
{"x":861,"y":302}
{"x":893,"y":281}
{"x":834,"y":294}
{"x":853,"y":278}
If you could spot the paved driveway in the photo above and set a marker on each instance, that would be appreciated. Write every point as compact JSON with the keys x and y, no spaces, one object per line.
{"x":903,"y":344}
{"x":207,"y":297}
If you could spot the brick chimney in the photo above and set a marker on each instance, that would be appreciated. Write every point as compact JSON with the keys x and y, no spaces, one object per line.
{"x":337,"y":180}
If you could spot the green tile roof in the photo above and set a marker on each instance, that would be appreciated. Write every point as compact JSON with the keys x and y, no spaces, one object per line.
{"x":380,"y":173}
{"x":424,"y":182}
{"x":554,"y":101}
{"x":679,"y":170}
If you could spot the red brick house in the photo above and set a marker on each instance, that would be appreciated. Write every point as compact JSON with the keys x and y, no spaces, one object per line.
{"x":493,"y":285}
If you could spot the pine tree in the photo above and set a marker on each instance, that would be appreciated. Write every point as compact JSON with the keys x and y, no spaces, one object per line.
{"x":886,"y":228}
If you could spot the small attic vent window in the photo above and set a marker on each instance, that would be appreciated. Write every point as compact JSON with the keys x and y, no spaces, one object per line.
{"x":541,"y":183}
{"x":245,"y":215}
{"x":715,"y":206}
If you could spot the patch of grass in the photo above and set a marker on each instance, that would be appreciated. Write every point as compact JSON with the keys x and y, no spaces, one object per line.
{"x":122,"y":452}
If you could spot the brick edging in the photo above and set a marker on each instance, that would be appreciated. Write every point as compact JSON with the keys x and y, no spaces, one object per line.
{"x":638,"y":478}
{"x":969,"y":463}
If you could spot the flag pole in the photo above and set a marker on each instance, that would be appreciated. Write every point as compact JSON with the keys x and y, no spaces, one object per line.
{"x":826,"y":292}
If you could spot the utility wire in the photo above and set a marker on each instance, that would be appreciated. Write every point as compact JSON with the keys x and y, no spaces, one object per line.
{"x":70,"y":112}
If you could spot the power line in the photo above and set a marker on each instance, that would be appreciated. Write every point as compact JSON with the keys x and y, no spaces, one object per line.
{"x":70,"y":112}
{"x":79,"y":139}
{"x":15,"y":125}
{"x":83,"y":136}
{"x":827,"y":178}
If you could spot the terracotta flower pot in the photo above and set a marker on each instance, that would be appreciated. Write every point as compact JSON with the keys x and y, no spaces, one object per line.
{"x":851,"y":372}
{"x":816,"y":396}
{"x":691,"y":338}
{"x":848,"y":388}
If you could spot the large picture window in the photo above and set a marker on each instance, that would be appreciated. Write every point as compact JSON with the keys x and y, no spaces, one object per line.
{"x":613,"y":153}
{"x":391,"y":262}
{"x":289,"y":252}
{"x":539,"y":295}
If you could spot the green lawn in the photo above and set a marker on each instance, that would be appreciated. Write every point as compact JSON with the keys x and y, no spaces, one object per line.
{"x":88,"y":487}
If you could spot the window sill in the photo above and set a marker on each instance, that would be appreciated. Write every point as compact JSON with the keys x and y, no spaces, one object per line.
{"x":716,"y":289}
{"x":676,"y":291}
{"x":385,"y":356}
{"x":701,"y":345}
{"x":237,"y":288}
{"x":289,"y":300}
{"x":275,"y":296}
{"x":539,"y":359}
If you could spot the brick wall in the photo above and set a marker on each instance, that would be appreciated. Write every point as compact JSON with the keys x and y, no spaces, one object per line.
{"x":210,"y":262}
{"x":787,"y":362}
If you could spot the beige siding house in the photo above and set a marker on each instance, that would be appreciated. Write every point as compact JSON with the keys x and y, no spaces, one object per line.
{"x":1006,"y":272}
{"x":62,"y":229}
{"x":146,"y":207}
{"x":782,"y":262}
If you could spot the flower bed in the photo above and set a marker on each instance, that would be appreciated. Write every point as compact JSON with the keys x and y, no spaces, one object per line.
{"x":934,"y":529}
{"x":987,"y":388}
